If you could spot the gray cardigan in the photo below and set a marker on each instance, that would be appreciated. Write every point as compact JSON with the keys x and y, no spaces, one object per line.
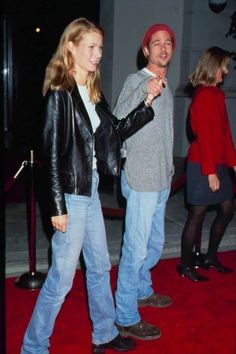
{"x":149,"y":152}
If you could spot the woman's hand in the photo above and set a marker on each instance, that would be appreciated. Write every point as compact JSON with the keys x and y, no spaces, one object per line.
{"x":214,"y":182}
{"x":59,"y":223}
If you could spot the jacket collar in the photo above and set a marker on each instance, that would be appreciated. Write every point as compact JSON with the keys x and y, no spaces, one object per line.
{"x":102,"y":105}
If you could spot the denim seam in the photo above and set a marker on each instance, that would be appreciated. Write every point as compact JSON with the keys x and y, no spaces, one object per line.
{"x":56,"y":296}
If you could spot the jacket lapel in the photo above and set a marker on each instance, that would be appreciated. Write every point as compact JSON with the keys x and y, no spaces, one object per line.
{"x":80,"y":107}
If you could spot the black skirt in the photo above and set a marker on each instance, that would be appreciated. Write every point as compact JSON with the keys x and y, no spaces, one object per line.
{"x":198,"y":190}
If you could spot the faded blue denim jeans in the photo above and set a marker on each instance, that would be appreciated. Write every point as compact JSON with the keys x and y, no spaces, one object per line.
{"x":142,"y":248}
{"x":85,"y":231}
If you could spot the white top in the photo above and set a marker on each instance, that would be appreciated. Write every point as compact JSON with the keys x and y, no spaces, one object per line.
{"x":94,"y":119}
{"x":146,"y":70}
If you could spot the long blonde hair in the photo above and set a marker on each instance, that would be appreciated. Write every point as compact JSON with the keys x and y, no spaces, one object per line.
{"x":212,"y":59}
{"x":59,"y":71}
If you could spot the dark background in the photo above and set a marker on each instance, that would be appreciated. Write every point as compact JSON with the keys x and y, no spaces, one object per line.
{"x":28,"y":54}
{"x":31,"y":52}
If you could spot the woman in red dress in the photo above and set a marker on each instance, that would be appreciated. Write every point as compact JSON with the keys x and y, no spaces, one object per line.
{"x":210,"y":156}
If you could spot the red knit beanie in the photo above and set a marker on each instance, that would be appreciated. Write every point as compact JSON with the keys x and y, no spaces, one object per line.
{"x":155,"y":28}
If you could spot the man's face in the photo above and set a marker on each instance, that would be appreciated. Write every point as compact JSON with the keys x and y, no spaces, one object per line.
{"x":160,"y":49}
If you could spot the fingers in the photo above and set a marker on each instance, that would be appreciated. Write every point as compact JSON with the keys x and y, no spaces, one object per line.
{"x":59,"y":223}
{"x":61,"y":228}
{"x":215,"y":187}
{"x":214,"y":182}
{"x":155,"y":86}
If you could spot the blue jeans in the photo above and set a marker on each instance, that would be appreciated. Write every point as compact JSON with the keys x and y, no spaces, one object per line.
{"x":85,"y":231}
{"x":142,"y":248}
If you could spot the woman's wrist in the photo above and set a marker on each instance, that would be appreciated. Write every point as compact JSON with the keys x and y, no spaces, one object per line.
{"x":148,"y":101}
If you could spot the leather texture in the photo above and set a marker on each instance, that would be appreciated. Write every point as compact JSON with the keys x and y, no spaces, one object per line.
{"x":68,"y":142}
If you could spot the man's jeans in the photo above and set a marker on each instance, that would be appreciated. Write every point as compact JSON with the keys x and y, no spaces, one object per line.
{"x":85,"y":231}
{"x":142,"y":248}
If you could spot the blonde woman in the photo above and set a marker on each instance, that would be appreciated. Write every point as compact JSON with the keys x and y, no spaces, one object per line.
{"x":80,"y":137}
{"x":211,"y":155}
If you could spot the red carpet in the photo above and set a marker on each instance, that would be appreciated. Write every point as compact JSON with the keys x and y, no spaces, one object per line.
{"x":201,"y":320}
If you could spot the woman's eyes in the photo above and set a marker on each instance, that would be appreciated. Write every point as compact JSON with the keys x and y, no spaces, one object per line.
{"x":93,"y":46}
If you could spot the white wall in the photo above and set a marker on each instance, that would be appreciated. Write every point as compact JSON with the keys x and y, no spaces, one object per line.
{"x":202,"y":28}
{"x":196,"y":28}
{"x":127,"y":24}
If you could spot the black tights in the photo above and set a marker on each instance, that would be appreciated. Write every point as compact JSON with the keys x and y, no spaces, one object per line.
{"x":193,"y":229}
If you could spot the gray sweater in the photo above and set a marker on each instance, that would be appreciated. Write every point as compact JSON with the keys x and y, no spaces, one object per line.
{"x":149,"y":152}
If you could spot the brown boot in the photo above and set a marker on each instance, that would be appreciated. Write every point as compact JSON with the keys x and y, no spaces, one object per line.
{"x":141,"y":330}
{"x":155,"y":300}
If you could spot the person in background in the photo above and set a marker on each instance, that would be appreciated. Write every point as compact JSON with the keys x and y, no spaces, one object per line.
{"x":80,"y":137}
{"x":210,"y":156}
{"x":145,"y":183}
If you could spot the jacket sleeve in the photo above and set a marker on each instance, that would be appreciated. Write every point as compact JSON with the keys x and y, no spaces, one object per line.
{"x":52,"y":147}
{"x":134,"y":121}
{"x":230,"y":148}
{"x":203,"y":113}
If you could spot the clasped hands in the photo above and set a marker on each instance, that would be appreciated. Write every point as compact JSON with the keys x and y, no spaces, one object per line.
{"x":155,"y":86}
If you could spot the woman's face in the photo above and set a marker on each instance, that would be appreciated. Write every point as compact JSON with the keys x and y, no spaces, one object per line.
{"x":220,"y":75}
{"x":87,"y":53}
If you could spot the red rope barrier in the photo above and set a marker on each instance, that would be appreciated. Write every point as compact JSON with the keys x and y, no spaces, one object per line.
{"x":178,"y":183}
{"x":119,"y":212}
{"x":9,"y":183}
{"x":31,"y":279}
{"x":113,"y":212}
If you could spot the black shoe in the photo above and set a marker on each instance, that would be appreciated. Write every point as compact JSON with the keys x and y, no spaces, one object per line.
{"x":118,"y":343}
{"x":215,"y":264}
{"x":191,"y":273}
{"x":198,"y":259}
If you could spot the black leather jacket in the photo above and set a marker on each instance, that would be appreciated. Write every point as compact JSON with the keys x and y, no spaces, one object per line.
{"x":68,"y":143}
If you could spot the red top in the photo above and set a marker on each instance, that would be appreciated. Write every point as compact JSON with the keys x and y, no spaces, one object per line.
{"x":213,"y":144}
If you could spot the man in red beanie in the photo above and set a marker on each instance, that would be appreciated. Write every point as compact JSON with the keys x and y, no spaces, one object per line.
{"x":145,"y":182}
